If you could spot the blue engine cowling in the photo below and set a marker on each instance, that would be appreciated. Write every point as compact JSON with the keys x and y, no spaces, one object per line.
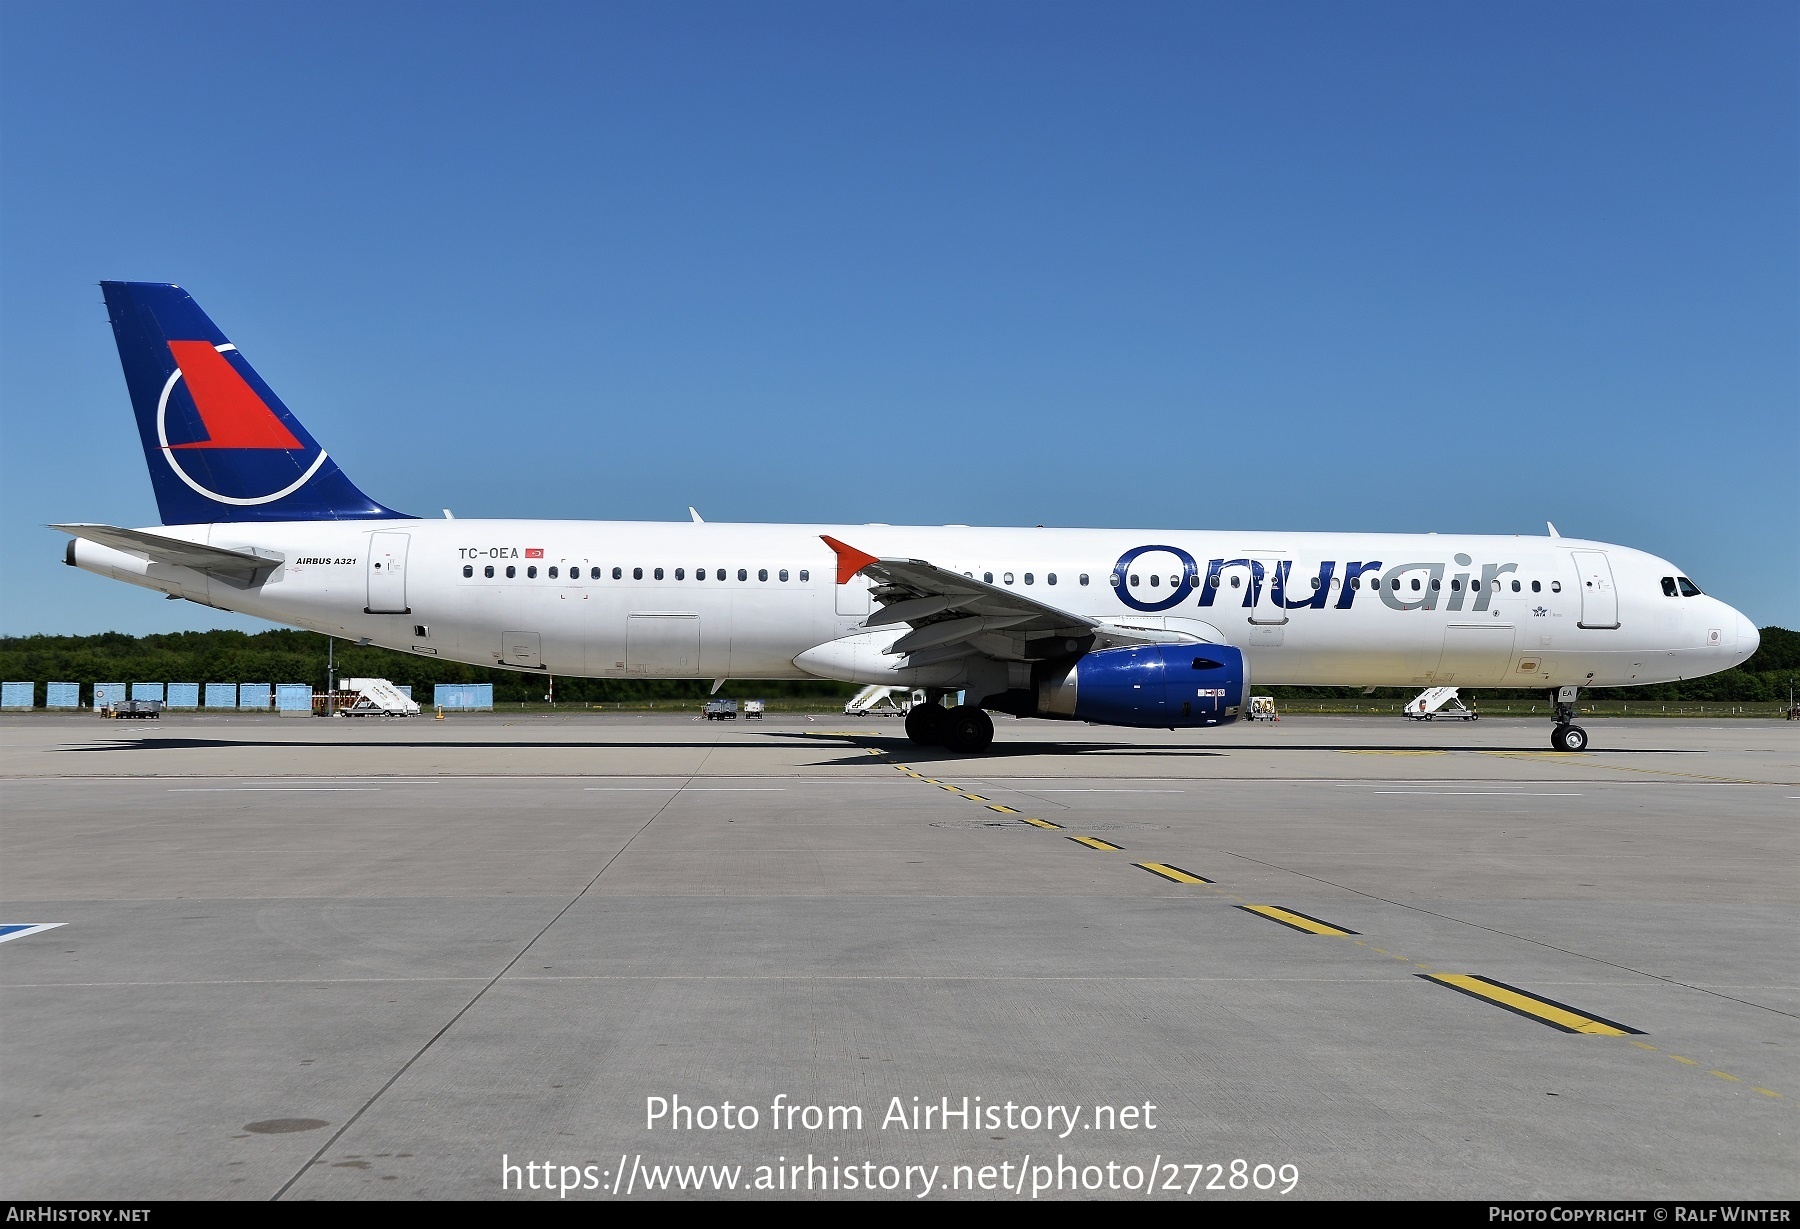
{"x":1167,"y":685}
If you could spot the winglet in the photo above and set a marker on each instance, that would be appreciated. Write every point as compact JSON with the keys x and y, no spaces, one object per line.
{"x":850,"y":560}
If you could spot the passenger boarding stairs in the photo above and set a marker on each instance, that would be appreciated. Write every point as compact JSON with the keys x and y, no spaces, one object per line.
{"x":1439,"y":702}
{"x":378,"y":697}
{"x":876,"y":700}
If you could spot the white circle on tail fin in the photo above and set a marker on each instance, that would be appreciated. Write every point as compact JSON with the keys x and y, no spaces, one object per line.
{"x":162,"y":439}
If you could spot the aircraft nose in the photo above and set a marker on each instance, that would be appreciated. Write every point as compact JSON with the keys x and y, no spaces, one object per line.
{"x":1748,"y":638}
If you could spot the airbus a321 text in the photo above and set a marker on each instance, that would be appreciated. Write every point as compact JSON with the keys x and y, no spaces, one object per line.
{"x":1158,"y":628}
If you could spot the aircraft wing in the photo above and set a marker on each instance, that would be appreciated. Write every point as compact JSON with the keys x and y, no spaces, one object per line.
{"x":953,"y":615}
{"x":239,"y":566}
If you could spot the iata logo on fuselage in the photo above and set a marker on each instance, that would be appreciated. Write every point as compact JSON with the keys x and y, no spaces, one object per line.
{"x":208,"y":406}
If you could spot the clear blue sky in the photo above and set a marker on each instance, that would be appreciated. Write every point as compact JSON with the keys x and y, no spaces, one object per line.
{"x":1456,"y":267}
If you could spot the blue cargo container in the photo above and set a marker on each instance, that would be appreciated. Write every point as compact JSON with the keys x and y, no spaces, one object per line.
{"x":17,"y":695}
{"x":108,"y":694}
{"x":467,"y":696}
{"x":62,"y":695}
{"x":221,"y":695}
{"x":256,"y":695}
{"x":184,"y":695}
{"x":146,"y":691}
{"x":293,"y":697}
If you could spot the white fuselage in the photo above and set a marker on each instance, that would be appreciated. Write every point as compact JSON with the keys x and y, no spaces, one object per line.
{"x":1470,"y":611}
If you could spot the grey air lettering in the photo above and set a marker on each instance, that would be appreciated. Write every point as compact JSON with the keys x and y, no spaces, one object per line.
{"x":1427,"y":600}
{"x":1459,"y":582}
{"x":1489,"y":584}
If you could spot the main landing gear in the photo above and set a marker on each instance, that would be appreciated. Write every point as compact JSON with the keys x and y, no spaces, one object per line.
{"x":965,"y":729}
{"x":1567,"y":736}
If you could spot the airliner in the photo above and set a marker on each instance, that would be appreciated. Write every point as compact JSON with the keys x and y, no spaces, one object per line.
{"x":1119,"y":627}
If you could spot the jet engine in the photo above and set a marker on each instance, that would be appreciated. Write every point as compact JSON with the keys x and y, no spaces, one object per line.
{"x":1166,"y":685}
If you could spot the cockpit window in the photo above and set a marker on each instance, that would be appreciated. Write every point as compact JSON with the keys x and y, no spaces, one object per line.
{"x":1668,"y":586}
{"x":1688,"y":587}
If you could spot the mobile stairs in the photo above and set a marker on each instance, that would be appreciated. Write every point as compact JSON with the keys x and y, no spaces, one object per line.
{"x":1436,"y":702}
{"x":878,"y":701}
{"x":377,"y":698}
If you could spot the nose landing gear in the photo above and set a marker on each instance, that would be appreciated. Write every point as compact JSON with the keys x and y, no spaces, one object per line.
{"x":1567,"y":736}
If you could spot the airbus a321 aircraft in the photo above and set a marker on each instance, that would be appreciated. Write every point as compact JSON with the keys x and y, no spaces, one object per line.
{"x":1159,"y":628}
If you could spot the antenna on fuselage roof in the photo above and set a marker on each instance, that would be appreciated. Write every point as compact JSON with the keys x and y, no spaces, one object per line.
{"x":1552,"y":528}
{"x":697,"y":518}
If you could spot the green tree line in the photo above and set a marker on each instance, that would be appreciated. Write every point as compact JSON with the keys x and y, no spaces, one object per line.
{"x":299,"y":657}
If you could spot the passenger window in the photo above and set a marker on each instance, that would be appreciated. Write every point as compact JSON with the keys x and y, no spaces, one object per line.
{"x":1084,"y":578}
{"x":552,"y":573}
{"x":488,"y":571}
{"x":1537,"y":586}
{"x":1050,"y":579}
{"x":1237,"y":582}
{"x":637,"y":573}
{"x":805,"y":575}
{"x":1688,"y":587}
{"x":1214,"y":580}
{"x":699,"y":573}
{"x":1556,"y":586}
{"x":1668,"y":586}
{"x":531,"y":571}
{"x":617,"y":574}
{"x":1028,"y":578}
{"x":468,"y":570}
{"x":680,"y":573}
{"x":1355,"y":582}
{"x":1415,"y":584}
{"x":511,"y":571}
{"x":987,"y":578}
{"x":1113,"y":580}
{"x":1155,"y":581}
{"x":594,"y":573}
{"x":1174,"y":582}
{"x":1315,"y":583}
{"x":1436,"y":584}
{"x":720,"y":574}
{"x":1515,"y":586}
{"x":783,"y":575}
{"x":1007,"y":578}
{"x":1456,"y":586}
{"x":657,"y":574}
{"x":762,"y":573}
{"x":743,"y":574}
{"x":1475,"y":586}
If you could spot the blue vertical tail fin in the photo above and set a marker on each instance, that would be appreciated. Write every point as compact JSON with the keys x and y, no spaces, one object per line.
{"x":220,"y":444}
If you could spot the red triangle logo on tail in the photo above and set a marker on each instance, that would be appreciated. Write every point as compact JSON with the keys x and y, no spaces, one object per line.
{"x":234,"y":415}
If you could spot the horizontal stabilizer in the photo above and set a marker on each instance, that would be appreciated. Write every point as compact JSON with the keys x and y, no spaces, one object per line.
{"x":216,"y":560}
